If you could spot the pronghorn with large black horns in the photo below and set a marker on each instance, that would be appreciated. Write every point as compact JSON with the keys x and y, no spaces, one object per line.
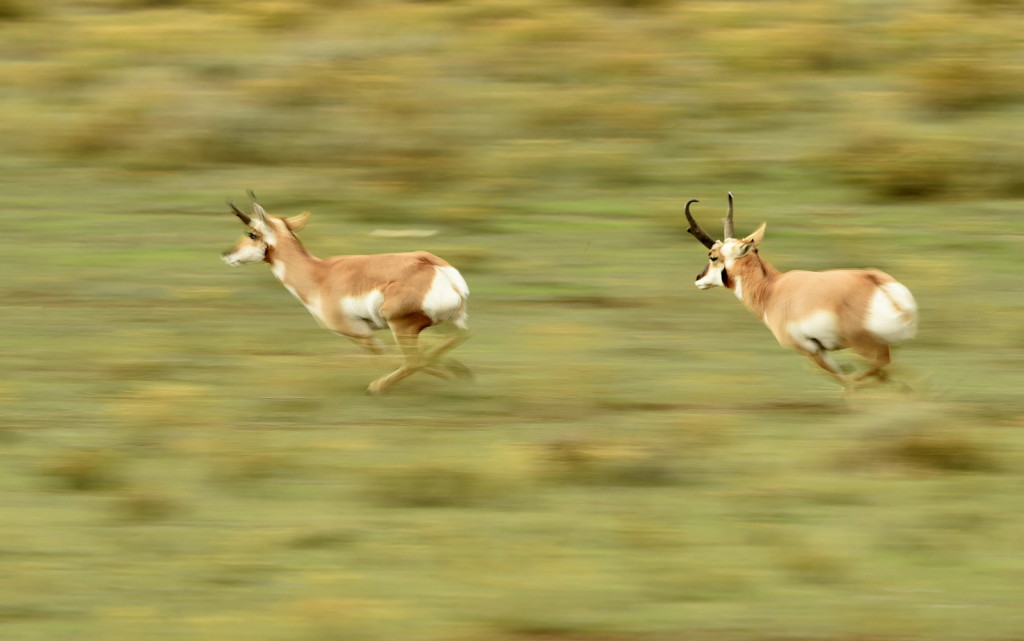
{"x":813,"y":313}
{"x":355,"y":295}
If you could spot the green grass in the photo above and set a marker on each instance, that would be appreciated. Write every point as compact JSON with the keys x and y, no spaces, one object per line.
{"x":187,"y":456}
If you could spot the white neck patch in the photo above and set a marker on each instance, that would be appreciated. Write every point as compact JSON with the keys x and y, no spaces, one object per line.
{"x":277,"y":268}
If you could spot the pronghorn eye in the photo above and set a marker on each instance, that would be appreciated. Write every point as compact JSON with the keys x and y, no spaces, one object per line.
{"x":713,"y":258}
{"x":253,"y":236}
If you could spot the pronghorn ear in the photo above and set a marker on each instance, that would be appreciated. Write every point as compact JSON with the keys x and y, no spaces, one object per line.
{"x":259,"y":211}
{"x":755,"y":239}
{"x":296,"y":223}
{"x":752,"y":241}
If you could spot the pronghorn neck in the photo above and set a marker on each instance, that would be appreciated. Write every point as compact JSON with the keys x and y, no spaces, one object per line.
{"x":751,"y":278}
{"x":292,"y":264}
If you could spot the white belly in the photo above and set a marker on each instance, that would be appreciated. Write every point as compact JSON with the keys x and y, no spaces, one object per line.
{"x":365,"y":308}
{"x":816,"y":331}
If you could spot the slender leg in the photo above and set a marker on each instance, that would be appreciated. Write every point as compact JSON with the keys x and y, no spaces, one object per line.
{"x":448,"y":368}
{"x":406,"y":331}
{"x":450,"y":365}
{"x":879,"y":358}
{"x":877,"y":372}
{"x":356,"y":330}
{"x":369,"y":343}
{"x":439,"y":373}
{"x":412,"y":363}
{"x":449,"y":344}
{"x":825,"y":362}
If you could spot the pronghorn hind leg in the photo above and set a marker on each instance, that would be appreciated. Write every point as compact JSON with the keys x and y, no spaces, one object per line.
{"x":447,"y":368}
{"x":450,"y":365}
{"x":406,"y":331}
{"x":411,"y":364}
{"x":878,"y":357}
{"x":457,"y":368}
{"x":439,"y":372}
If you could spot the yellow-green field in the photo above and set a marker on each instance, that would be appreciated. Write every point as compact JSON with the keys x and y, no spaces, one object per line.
{"x":186,"y":456}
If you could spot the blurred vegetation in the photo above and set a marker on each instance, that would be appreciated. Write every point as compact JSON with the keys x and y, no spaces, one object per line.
{"x":187,"y":456}
{"x":915,"y":101}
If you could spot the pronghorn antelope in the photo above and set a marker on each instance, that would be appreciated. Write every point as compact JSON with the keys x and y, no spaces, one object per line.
{"x":813,"y":313}
{"x":355,"y":295}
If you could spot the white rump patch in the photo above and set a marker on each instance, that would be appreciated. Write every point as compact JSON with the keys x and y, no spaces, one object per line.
{"x":817,"y":331}
{"x":366,"y":308}
{"x":892,"y":314}
{"x":446,"y":298}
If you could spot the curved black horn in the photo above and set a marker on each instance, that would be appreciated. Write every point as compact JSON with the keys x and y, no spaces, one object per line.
{"x":238,"y":212}
{"x":695,"y":229}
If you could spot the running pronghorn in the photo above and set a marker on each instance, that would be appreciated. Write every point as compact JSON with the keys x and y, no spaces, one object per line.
{"x":355,"y":295}
{"x":812,"y":312}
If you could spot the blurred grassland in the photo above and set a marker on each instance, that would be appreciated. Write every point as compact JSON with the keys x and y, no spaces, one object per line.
{"x":186,"y":456}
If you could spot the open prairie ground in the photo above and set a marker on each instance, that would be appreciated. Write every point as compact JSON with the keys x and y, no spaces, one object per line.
{"x":186,"y":455}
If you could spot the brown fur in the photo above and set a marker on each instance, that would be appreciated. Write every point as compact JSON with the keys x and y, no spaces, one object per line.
{"x":782,"y":298}
{"x":402,"y":279}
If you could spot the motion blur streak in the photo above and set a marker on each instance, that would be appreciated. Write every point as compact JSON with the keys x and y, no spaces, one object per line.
{"x":188,"y":456}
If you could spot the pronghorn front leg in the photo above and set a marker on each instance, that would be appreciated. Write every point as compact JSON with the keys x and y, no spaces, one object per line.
{"x":369,"y":343}
{"x":825,"y":362}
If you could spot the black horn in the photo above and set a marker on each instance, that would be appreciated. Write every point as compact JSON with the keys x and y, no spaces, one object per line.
{"x":238,"y":212}
{"x":696,"y":230}
{"x":729,"y":233}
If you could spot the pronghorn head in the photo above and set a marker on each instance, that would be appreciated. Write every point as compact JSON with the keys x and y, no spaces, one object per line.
{"x":724,"y":255}
{"x":262,"y":234}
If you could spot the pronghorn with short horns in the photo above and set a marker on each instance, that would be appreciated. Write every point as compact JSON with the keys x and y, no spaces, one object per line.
{"x":813,"y":313}
{"x":355,"y":295}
